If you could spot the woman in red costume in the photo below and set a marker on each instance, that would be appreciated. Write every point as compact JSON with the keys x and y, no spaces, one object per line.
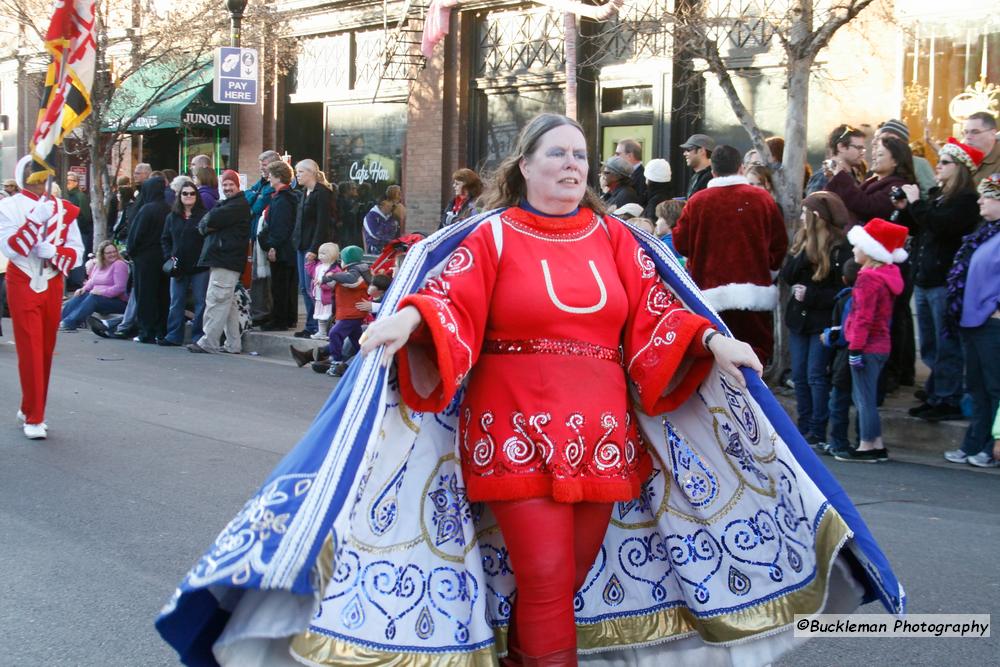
{"x":556,"y":317}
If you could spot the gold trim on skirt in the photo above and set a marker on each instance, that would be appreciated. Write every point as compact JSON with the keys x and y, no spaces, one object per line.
{"x":318,"y":649}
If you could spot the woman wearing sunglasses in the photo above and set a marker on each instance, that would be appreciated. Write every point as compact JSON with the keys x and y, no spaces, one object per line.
{"x":182,"y":243}
{"x":938,"y":225}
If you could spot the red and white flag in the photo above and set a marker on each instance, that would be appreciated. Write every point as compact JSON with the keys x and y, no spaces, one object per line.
{"x":436,"y":25}
{"x":70,"y":77}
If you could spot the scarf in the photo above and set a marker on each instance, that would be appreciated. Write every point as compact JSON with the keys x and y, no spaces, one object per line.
{"x":960,"y":271}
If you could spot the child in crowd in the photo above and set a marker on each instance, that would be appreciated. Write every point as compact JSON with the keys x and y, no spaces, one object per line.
{"x":351,"y":288}
{"x":322,"y":291}
{"x":667,"y":214}
{"x":840,"y":371}
{"x":814,"y":272}
{"x":376,"y":291}
{"x":877,"y":246}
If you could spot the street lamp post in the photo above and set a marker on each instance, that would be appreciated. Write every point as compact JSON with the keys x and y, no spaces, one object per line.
{"x":236,"y":9}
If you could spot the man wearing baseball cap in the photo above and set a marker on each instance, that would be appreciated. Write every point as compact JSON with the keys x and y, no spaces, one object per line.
{"x":698,"y":155}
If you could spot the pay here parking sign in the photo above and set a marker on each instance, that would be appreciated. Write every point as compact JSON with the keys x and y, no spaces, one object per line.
{"x":236,"y":75}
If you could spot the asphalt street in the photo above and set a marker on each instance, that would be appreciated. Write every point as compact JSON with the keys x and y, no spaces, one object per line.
{"x":152,"y":450}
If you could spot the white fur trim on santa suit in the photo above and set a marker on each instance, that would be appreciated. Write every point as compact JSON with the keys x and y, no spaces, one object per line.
{"x":862,"y":239}
{"x":724,"y":181}
{"x":742,"y":296}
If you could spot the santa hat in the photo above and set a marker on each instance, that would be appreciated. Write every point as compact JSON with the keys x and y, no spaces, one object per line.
{"x":881,"y":240}
{"x":963,"y":153}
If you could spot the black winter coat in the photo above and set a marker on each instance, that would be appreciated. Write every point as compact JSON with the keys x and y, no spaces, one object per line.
{"x":280,"y":216}
{"x":313,"y":225}
{"x":813,"y":314}
{"x":145,"y":230}
{"x":226,"y":229}
{"x":658,"y":192}
{"x":181,"y":239}
{"x":938,"y":226}
{"x":638,"y":183}
{"x":623,"y":194}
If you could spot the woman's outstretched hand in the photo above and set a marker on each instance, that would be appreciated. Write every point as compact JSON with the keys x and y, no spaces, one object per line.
{"x":731,"y":354}
{"x":392,"y":332}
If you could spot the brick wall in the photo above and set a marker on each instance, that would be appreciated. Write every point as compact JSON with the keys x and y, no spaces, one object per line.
{"x":425,"y":144}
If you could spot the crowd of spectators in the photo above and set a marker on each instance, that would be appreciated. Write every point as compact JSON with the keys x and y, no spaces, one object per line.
{"x":875,"y":238}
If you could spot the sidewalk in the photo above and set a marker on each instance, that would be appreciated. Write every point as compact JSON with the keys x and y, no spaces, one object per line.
{"x":910,"y":440}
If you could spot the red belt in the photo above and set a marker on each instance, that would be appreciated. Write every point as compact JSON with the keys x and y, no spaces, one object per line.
{"x":560,"y":346}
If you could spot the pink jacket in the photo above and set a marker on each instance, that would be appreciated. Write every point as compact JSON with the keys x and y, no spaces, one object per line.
{"x":326,"y":289}
{"x":111,"y":281}
{"x":867,"y":326}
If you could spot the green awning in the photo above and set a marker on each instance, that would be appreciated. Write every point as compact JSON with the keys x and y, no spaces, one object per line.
{"x":173,"y":87}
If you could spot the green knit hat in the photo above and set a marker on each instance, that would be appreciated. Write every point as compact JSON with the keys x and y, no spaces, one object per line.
{"x":352,"y":254}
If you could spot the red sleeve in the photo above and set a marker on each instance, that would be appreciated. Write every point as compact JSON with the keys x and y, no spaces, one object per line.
{"x":454,"y":307}
{"x":664,"y":355}
{"x":779,"y":238}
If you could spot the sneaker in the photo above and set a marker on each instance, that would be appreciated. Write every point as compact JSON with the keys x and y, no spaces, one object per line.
{"x":815,"y":440}
{"x":882,"y":454}
{"x":163,"y":342}
{"x":305,"y":333}
{"x":65,"y":328}
{"x":956,"y":456}
{"x":35,"y":431}
{"x":920,"y":409}
{"x":98,"y":326}
{"x":320,"y":366}
{"x":943,"y":412}
{"x":197,"y":349}
{"x":984,"y":460}
{"x":319,"y":336}
{"x":833,"y":448}
{"x":337,"y":369}
{"x":21,"y":417}
{"x":861,"y":456}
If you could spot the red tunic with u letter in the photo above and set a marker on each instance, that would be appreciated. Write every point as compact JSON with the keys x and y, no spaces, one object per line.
{"x":553,"y":319}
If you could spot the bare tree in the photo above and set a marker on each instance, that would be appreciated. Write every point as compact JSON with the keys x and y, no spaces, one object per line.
{"x":155,"y":46}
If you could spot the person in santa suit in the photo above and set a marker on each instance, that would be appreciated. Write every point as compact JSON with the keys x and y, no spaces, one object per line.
{"x":734,"y":238}
{"x":549,"y":297}
{"x":40,"y":236}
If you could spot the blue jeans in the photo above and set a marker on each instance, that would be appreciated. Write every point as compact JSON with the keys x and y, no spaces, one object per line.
{"x":982,"y":375}
{"x":840,"y":417}
{"x":179,"y":286}
{"x":76,"y":311}
{"x":128,"y":319}
{"x":810,"y":373}
{"x":864,"y":390}
{"x":305,"y":289}
{"x":943,"y":355}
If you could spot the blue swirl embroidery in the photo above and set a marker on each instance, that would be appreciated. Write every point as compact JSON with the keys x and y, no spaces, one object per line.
{"x":693,"y":477}
{"x":740,"y":408}
{"x":383,"y":512}
{"x":451,"y":510}
{"x":382,"y":581}
{"x":735,"y":448}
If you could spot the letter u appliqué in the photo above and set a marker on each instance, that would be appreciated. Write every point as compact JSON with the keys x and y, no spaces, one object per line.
{"x":574,"y":309}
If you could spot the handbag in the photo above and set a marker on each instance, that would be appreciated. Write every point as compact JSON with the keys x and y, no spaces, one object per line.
{"x":170,"y":266}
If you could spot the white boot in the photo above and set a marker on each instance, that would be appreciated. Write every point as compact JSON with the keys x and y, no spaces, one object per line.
{"x":323,"y":327}
{"x":35,"y":431}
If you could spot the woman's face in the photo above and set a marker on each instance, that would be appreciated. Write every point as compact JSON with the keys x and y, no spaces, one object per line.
{"x":110,"y":254}
{"x":305,"y":177}
{"x":883,"y":163}
{"x":555,"y":175}
{"x":188,"y":195}
{"x":989,"y":208}
{"x":459,"y":188}
{"x":275,"y":181}
{"x":945,"y":170}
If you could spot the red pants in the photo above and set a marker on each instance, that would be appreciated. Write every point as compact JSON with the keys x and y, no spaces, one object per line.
{"x":36,"y":321}
{"x":755,"y":328}
{"x":552,"y":546}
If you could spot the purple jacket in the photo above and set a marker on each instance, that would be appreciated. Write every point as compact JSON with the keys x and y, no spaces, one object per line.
{"x":867,"y":326}
{"x":326,"y":291}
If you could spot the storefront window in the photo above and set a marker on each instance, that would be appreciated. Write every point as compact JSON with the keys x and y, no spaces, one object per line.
{"x":505,"y":115}
{"x":366,"y":144}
